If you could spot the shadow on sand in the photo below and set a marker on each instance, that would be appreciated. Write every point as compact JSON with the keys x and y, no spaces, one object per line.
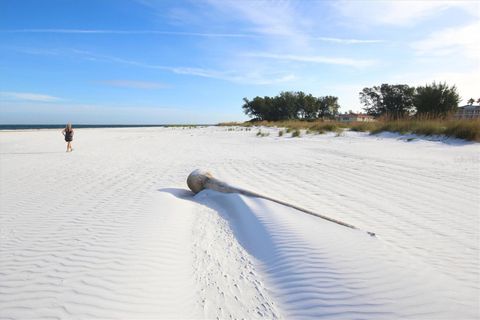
{"x":245,"y":225}
{"x":183,"y":194}
{"x":456,"y":142}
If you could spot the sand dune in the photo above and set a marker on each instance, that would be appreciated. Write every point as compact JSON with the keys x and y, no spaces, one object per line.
{"x":110,"y":231}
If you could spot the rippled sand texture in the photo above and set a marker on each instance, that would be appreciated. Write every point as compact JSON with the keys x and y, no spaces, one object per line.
{"x":110,"y":231}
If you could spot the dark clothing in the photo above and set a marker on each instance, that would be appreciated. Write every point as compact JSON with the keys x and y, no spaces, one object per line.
{"x":68,"y":136}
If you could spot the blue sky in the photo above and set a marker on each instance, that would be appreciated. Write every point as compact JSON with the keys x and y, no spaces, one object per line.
{"x":154,"y":62}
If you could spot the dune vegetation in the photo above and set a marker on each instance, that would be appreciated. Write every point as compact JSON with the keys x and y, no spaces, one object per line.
{"x":462,"y":129}
{"x":426,"y":110}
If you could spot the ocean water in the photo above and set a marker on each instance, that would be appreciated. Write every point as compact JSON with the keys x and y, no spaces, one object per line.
{"x":79,"y":126}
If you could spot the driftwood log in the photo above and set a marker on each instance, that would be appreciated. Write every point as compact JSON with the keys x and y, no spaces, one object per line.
{"x":199,"y":180}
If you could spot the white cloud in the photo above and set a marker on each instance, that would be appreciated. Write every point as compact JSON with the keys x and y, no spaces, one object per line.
{"x":135,"y":84}
{"x":241,"y":77}
{"x":458,"y":41}
{"x":399,"y":13}
{"x":27,"y":96}
{"x":132,"y":32}
{"x":348,"y":41}
{"x":285,"y":32}
{"x":277,"y":19}
{"x":236,"y":77}
{"x":271,"y":19}
{"x":227,"y":75}
{"x":315,"y":59}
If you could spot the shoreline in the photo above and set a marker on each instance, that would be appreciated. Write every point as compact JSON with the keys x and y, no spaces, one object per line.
{"x":15,"y":127}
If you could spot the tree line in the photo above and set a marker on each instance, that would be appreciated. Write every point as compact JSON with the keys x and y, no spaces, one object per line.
{"x":291,"y":105}
{"x":436,"y":100}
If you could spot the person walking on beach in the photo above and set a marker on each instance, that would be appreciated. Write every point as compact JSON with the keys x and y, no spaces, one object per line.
{"x":68,"y":133}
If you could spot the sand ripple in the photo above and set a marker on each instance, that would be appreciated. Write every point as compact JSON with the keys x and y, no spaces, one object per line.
{"x":109,"y":232}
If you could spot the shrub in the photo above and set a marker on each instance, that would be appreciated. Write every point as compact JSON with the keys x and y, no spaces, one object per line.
{"x":262,"y":134}
{"x":468,"y":130}
{"x":363,"y":126}
{"x":463,"y":129}
{"x":436,"y":99}
{"x":230,"y":124}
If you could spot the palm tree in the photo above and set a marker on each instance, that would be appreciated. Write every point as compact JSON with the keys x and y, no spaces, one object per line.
{"x":470,"y":101}
{"x":478,"y":100}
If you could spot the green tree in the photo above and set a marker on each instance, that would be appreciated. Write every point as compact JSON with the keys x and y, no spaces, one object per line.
{"x":310,"y":108}
{"x":290,"y":105}
{"x":327,"y":107}
{"x":286,"y":105}
{"x":300,"y":104}
{"x":436,"y":99}
{"x":256,"y":108}
{"x":393,"y":101}
{"x":471,"y":101}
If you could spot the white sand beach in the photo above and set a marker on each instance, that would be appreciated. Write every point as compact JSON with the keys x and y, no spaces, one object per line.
{"x":112,"y":231}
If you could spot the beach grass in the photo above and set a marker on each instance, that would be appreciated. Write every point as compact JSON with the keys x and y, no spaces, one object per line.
{"x":262,"y":134}
{"x":296,"y":133}
{"x":467,"y":129}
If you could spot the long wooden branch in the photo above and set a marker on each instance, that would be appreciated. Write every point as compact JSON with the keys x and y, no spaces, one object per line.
{"x":199,"y":180}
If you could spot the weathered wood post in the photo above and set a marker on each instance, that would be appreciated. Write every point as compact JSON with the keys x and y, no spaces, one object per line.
{"x":199,"y":180}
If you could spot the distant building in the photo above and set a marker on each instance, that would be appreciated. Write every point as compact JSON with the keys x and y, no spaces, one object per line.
{"x":468,"y":112}
{"x":354,"y":117}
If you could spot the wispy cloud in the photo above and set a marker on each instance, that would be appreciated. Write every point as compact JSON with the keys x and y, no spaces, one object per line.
{"x":399,"y":13}
{"x":289,"y":19}
{"x":132,"y":32}
{"x":231,"y":76}
{"x":348,"y":41}
{"x":234,"y":76}
{"x":459,"y":41}
{"x":27,"y":96}
{"x":315,"y":59}
{"x":277,"y":19}
{"x":270,"y":19}
{"x":134,"y":84}
{"x":270,"y":31}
